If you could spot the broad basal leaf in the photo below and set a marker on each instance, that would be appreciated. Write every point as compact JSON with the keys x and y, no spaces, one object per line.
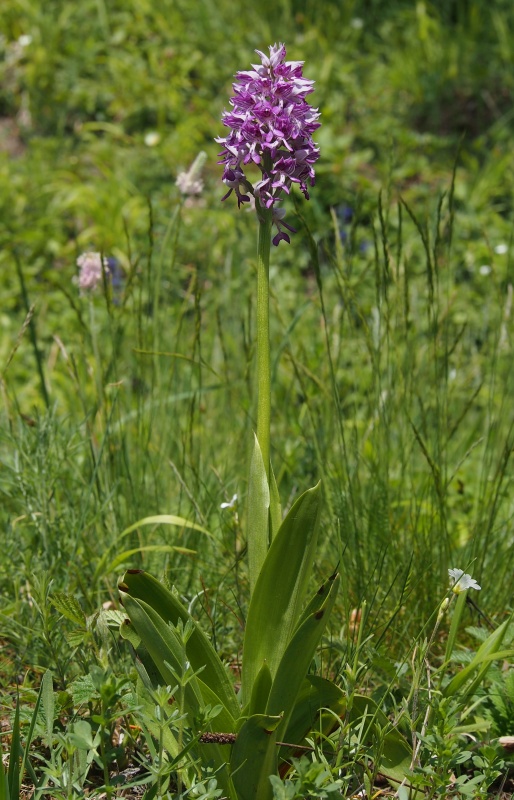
{"x":255,"y":757}
{"x":280,"y":590}
{"x":199,"y":649}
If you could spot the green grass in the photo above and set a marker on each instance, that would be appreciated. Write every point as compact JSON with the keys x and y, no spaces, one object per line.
{"x":391,"y":344}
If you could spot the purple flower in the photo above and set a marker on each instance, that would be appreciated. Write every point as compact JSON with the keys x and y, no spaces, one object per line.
{"x":271,"y":126}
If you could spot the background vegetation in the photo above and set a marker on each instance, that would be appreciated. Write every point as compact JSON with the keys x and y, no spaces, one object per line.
{"x":392,"y":333}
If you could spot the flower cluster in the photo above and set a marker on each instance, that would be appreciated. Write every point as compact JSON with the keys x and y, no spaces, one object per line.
{"x":271,"y":126}
{"x":92,"y":267}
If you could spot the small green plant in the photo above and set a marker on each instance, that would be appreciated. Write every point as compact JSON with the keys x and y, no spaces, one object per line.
{"x":443,"y":723}
{"x":66,"y":756}
{"x":499,"y":701}
{"x":313,"y":779}
{"x":19,"y":761}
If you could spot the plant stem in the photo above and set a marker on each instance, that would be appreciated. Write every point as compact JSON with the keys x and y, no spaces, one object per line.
{"x":263,"y":342}
{"x":32,"y":331}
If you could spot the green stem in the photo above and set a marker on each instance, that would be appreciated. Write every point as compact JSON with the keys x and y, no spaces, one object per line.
{"x":263,"y":342}
{"x":32,"y":331}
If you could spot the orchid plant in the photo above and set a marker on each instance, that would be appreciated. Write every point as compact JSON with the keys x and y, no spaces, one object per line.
{"x":250,"y":734}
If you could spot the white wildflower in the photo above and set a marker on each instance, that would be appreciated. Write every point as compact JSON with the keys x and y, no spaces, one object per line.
{"x":460,"y":581}
{"x":232,"y":505}
{"x":485,"y":269}
{"x":501,"y":249}
{"x":152,"y":138}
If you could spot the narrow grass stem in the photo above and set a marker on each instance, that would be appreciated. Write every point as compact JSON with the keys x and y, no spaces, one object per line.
{"x":96,"y":353}
{"x":171,"y":235}
{"x":32,"y":331}
{"x":263,"y":339}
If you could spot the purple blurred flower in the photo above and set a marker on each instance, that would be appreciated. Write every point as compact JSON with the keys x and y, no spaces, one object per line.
{"x":345,"y":213}
{"x":90,"y":270}
{"x":271,"y":126}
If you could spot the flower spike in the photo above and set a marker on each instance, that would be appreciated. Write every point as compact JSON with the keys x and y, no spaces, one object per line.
{"x":271,"y":126}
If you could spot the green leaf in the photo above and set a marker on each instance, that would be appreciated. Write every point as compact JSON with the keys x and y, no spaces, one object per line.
{"x":275,"y":507}
{"x":157,"y":548}
{"x":261,"y":690}
{"x":164,"y":519}
{"x":164,"y":648}
{"x":199,"y":649}
{"x":258,"y":515}
{"x":69,"y":607}
{"x":297,"y":659}
{"x":10,"y":782}
{"x":82,"y":690}
{"x":255,"y":757}
{"x":146,"y":669}
{"x":316,"y":694}
{"x":76,"y":638}
{"x":128,"y":632}
{"x":167,"y":652}
{"x":396,"y":753}
{"x":48,"y":703}
{"x":454,"y":627}
{"x":224,"y":721}
{"x":485,"y":661}
{"x":280,"y":590}
{"x":25,"y":753}
{"x":159,"y":519}
{"x":487,"y":652}
{"x":82,"y":737}
{"x":15,"y":754}
{"x":147,"y":720}
{"x":319,"y":598}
